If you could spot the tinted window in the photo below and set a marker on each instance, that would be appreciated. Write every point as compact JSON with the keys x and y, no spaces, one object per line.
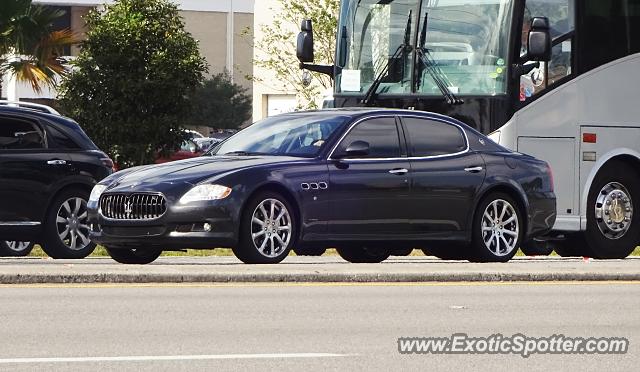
{"x":19,"y":134}
{"x":609,"y":30}
{"x":59,"y":140}
{"x":431,"y":138}
{"x":381,"y":134}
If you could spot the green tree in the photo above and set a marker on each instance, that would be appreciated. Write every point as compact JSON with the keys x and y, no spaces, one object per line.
{"x":278,"y":45}
{"x":132,"y":81}
{"x":29,"y":47}
{"x":219,"y":103}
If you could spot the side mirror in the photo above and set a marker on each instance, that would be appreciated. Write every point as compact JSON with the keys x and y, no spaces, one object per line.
{"x":356,"y":148}
{"x":304,"y":47}
{"x":539,"y":46}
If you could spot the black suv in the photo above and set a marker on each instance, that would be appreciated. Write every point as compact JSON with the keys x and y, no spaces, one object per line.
{"x":48,"y":167}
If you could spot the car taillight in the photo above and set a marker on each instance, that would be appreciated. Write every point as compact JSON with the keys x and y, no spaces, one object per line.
{"x":550,"y":173}
{"x":107,"y":162}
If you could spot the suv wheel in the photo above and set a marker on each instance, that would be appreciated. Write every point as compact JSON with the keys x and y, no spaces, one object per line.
{"x":133,"y":256}
{"x":15,"y":248}
{"x":66,"y":232}
{"x":363,"y":254}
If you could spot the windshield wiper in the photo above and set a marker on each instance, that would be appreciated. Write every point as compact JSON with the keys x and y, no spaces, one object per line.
{"x":439,"y":77}
{"x":402,"y":50}
{"x":245,"y":153}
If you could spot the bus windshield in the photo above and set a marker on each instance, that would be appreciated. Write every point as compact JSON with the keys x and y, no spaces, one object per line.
{"x":467,"y":40}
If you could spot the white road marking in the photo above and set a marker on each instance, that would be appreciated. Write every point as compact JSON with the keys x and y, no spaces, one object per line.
{"x":152,"y":358}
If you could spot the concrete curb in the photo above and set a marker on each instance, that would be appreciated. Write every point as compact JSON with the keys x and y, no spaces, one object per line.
{"x":312,"y":277}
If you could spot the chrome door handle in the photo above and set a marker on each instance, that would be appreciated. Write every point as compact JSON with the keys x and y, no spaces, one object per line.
{"x":473,"y":170}
{"x":57,"y":162}
{"x":399,"y":171}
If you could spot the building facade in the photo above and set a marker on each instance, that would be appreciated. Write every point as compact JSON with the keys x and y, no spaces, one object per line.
{"x":220,"y":26}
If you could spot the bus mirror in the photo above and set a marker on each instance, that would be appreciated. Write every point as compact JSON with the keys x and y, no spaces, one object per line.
{"x":342,"y":56}
{"x":539,"y":46}
{"x":304,"y":48}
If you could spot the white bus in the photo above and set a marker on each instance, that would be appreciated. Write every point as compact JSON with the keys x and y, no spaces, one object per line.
{"x":557,"y":79}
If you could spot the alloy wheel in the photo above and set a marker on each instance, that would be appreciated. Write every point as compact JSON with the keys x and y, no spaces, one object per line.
{"x":500,"y":227}
{"x":17,"y":246}
{"x":71,"y":221}
{"x":271,"y":227}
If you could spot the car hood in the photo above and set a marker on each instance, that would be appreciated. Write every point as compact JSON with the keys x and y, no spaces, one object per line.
{"x":189,"y":171}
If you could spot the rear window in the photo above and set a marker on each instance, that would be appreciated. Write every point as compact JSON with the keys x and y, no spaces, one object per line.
{"x":433,"y":138}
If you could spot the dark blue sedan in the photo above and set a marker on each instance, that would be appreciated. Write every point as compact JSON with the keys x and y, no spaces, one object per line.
{"x":366,"y":181}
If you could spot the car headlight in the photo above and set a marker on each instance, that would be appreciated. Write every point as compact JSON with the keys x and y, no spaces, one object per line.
{"x":206,"y":192}
{"x":96,"y":192}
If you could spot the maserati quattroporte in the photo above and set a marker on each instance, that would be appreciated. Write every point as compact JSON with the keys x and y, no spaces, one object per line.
{"x":365,"y":181}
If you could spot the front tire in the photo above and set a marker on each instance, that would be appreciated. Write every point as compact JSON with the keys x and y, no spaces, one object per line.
{"x":134,"y":256}
{"x":15,"y":248}
{"x":613,"y":227}
{"x":66,"y":232}
{"x":498,"y":229}
{"x":268,"y":230}
{"x":363,"y":254}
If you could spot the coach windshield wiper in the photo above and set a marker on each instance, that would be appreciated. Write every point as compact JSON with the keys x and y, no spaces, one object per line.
{"x":439,"y":77}
{"x":403,"y":50}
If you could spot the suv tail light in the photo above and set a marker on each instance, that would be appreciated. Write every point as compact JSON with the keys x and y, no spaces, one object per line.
{"x":107,"y":162}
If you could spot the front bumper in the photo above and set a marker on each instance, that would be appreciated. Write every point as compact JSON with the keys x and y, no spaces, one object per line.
{"x":180,"y":227}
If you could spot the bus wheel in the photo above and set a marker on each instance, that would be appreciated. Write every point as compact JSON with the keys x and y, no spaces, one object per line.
{"x":613,"y":227}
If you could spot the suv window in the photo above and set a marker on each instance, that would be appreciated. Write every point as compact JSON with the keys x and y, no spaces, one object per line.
{"x":19,"y":134}
{"x":60,"y":140}
{"x":381,"y":134}
{"x":432,"y":138}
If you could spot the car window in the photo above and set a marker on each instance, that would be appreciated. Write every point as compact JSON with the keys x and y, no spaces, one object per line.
{"x":16,"y":134}
{"x":381,"y":134}
{"x":59,"y":140}
{"x":433,"y":138}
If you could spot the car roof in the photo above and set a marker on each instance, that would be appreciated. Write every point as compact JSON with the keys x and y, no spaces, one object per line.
{"x":356,"y":112}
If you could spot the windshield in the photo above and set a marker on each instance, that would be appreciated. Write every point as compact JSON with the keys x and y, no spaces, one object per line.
{"x":301,"y":135}
{"x":466,"y":39}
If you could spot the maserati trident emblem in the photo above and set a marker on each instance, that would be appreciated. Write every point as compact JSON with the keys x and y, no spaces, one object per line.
{"x":128,"y":208}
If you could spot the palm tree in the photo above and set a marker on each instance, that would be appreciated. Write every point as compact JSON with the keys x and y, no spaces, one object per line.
{"x":29,"y":49}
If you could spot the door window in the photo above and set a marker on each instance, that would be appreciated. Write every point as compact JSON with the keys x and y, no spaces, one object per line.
{"x":433,"y":138}
{"x":60,"y":140}
{"x":562,"y":23}
{"x":381,"y":134}
{"x":18,"y":134}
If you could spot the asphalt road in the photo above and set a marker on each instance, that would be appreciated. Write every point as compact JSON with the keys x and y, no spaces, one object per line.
{"x":310,"y":327}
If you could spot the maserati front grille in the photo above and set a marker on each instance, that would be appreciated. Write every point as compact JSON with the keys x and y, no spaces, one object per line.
{"x":133,"y":206}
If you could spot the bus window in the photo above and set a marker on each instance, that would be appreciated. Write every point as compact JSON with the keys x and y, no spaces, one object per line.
{"x":609,"y":30}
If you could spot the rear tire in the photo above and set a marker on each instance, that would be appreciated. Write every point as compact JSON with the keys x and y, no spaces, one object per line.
{"x":66,"y":233}
{"x":15,"y":248}
{"x":498,"y":229}
{"x":537,"y":248}
{"x":574,"y":245}
{"x":268,"y":230}
{"x":134,"y":256}
{"x":613,"y":225}
{"x":363,"y":254}
{"x":310,"y":251}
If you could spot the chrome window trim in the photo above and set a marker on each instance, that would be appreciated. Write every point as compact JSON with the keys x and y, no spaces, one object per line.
{"x":20,"y":223}
{"x":464,"y":134}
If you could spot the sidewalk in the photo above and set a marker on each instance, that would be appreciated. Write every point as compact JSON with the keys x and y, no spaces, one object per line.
{"x":312,"y":269}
